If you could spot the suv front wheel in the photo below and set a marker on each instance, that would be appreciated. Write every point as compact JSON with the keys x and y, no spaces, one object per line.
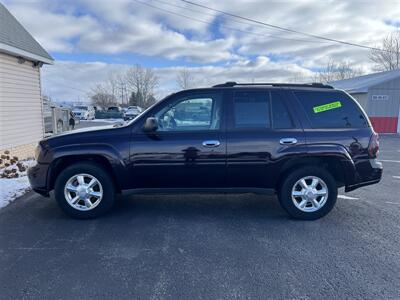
{"x":308,"y":193}
{"x":84,"y":190}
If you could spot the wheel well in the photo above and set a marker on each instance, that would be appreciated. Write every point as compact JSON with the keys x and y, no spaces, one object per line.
{"x":331,"y":164}
{"x":66,"y":161}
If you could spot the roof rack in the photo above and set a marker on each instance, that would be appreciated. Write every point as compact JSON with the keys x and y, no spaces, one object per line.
{"x":314,"y":84}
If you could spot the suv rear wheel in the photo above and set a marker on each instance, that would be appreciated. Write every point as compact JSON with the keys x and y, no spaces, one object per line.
{"x":308,"y":193}
{"x":84,"y":190}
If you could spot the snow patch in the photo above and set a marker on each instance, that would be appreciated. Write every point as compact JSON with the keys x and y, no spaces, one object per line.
{"x":103,"y":121}
{"x":12,"y":188}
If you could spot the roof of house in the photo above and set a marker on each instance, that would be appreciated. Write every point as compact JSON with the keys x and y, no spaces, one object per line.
{"x":361,"y":84}
{"x":15,"y":40}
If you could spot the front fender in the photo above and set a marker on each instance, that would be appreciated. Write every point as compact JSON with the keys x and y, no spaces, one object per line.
{"x":102,"y":150}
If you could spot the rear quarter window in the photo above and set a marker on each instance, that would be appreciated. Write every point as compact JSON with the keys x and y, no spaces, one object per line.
{"x":331,"y":110}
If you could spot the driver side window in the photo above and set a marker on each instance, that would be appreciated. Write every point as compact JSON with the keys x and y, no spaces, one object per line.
{"x":191,"y":113}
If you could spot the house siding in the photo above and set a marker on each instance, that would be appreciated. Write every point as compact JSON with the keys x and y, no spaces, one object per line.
{"x":21,"y":121}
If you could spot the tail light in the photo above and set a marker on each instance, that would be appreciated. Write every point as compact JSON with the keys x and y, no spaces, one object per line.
{"x":373,"y":147}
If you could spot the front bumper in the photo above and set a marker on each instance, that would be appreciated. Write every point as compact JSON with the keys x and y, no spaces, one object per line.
{"x":37,"y":176}
{"x":129,"y":117}
{"x":368,"y":173}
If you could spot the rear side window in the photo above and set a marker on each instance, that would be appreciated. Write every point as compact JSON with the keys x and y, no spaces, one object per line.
{"x":331,"y":110}
{"x":252,"y":110}
{"x":280,"y":115}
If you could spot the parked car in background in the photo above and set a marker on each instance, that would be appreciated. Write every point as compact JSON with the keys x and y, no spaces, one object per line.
{"x":84,"y":112}
{"x":300,"y":141}
{"x":136,"y":107}
{"x":114,"y":109}
{"x":132,"y":112}
{"x":112,"y":112}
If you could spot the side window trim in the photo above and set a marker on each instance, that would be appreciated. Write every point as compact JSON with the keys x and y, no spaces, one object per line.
{"x":286,"y":106}
{"x":297,"y":111}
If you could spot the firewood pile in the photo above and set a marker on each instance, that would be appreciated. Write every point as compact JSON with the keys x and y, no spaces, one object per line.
{"x":11,"y":166}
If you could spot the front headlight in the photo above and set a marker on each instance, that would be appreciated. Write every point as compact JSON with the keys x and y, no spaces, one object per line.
{"x":38,"y":149}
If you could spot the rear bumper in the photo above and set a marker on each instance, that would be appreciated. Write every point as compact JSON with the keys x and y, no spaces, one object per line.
{"x":367,"y":174}
{"x":37,"y":176}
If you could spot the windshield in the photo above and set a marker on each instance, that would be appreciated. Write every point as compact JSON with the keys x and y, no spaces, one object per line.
{"x":149,"y":108}
{"x":81,"y":107}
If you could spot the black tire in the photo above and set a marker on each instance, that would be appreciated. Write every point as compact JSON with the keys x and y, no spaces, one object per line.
{"x":285,"y":192}
{"x":98,"y":172}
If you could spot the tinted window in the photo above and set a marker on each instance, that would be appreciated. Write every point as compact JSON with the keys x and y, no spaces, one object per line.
{"x":196,"y":112}
{"x":331,"y":110}
{"x":280,"y":115}
{"x":251,"y":110}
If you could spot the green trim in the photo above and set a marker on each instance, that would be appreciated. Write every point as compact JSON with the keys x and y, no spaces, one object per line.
{"x":328,"y":106}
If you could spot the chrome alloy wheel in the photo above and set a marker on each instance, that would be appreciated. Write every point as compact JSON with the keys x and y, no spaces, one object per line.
{"x":83,"y":192}
{"x":310,"y":193}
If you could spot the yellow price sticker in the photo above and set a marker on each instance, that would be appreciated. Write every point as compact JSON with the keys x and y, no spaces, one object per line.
{"x":328,"y":106}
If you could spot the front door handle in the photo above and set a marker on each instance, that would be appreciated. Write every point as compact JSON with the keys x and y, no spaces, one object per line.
{"x":211,"y":143}
{"x":288,"y":141}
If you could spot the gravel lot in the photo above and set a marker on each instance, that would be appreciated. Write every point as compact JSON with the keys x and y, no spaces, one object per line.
{"x":210,"y":246}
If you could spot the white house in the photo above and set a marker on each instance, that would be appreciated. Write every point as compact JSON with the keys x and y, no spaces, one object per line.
{"x":21,"y":112}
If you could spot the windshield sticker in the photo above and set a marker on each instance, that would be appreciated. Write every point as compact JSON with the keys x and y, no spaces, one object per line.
{"x":325,"y":107}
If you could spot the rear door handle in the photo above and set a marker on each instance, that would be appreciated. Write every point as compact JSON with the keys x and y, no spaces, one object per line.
{"x":288,"y":141}
{"x":211,"y":143}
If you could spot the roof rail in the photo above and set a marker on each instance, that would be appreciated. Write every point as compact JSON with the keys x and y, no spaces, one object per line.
{"x":314,"y":84}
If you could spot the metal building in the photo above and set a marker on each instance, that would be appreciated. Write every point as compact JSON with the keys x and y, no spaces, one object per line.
{"x":379,"y":95}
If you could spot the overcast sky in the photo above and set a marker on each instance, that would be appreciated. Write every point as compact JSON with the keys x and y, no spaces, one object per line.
{"x":90,"y":39}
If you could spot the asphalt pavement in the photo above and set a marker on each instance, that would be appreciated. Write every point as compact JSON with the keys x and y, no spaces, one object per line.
{"x":207,"y":247}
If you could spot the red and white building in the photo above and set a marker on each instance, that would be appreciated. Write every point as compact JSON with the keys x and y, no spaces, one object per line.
{"x":379,"y":95}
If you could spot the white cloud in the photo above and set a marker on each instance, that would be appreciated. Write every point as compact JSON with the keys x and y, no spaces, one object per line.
{"x":55,"y":31}
{"x":128,"y":26}
{"x":72,"y":81}
{"x":112,"y":28}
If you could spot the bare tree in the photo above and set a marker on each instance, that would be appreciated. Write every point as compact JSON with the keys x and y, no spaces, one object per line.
{"x":299,"y":77}
{"x":185,"y":79}
{"x":122,"y":87}
{"x":333,"y":71}
{"x":117,"y":86}
{"x":101,"y":96}
{"x":111,"y":85}
{"x":142,"y":81}
{"x":388,"y":57}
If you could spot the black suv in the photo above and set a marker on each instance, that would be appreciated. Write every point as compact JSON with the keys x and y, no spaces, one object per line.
{"x":301,"y":141}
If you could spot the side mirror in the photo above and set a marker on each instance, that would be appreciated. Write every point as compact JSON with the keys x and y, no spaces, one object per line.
{"x":150,"y":125}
